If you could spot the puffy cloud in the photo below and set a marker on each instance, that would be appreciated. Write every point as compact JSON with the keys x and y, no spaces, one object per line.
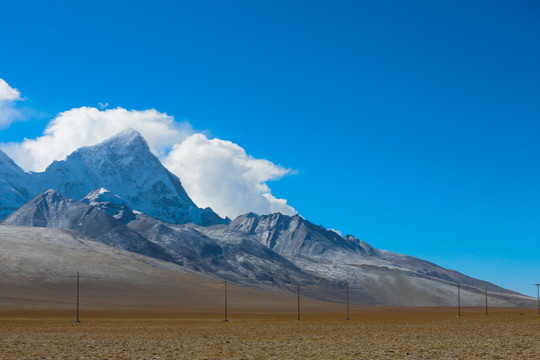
{"x":8,"y":96}
{"x":221,"y":175}
{"x":87,"y":126}
{"x":214,"y":172}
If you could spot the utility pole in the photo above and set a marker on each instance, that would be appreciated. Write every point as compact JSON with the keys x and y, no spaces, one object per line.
{"x":77,"y":321}
{"x":347,"y":285}
{"x":459,"y":300}
{"x":538,"y":296}
{"x":298,"y":303}
{"x":226,"y":320}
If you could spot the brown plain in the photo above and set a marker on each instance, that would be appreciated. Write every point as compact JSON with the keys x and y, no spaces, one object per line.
{"x":372,"y":333}
{"x":160,"y":313}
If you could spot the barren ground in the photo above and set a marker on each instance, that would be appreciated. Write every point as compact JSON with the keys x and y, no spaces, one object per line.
{"x":372,"y":333}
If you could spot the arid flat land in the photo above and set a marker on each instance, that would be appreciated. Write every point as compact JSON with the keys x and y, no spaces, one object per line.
{"x":372,"y":333}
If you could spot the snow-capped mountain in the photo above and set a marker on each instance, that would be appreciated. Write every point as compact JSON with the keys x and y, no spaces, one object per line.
{"x":125,"y":165}
{"x":122,"y":164}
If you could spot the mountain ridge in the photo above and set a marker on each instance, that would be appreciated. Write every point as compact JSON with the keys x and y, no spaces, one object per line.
{"x":232,"y":259}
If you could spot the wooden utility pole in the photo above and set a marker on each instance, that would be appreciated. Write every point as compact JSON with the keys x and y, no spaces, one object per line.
{"x":77,"y":321}
{"x":298,"y":303}
{"x":347,"y":286}
{"x":226,"y":320}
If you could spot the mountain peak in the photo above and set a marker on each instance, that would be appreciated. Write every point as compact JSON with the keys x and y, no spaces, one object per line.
{"x":49,"y":193}
{"x":119,"y":149}
{"x":129,"y":132}
{"x":40,"y":210}
{"x":250,"y":214}
{"x":128,"y":135}
{"x":49,"y":196}
{"x":103,"y":195}
{"x":126,"y":141}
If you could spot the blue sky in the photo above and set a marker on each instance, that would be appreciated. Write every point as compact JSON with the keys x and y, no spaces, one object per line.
{"x":413,"y":125}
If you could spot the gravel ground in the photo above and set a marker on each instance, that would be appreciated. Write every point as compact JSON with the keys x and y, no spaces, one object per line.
{"x":370,"y":334}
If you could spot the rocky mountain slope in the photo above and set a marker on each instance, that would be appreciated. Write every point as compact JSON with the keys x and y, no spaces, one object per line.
{"x":376,"y":276}
{"x":294,"y":236}
{"x":53,"y":210}
{"x":299,"y":239}
{"x":102,"y":216}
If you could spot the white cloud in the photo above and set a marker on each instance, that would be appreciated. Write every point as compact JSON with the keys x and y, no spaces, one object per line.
{"x":214,"y":172}
{"x":87,"y":126}
{"x":221,"y":175}
{"x":8,"y":96}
